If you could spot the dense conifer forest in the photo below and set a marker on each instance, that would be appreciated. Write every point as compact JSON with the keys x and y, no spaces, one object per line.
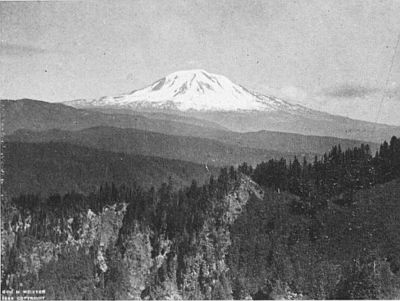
{"x":335,"y":176}
{"x":321,"y":229}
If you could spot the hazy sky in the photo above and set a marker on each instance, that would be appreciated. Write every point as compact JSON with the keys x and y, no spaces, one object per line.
{"x":329,"y":55}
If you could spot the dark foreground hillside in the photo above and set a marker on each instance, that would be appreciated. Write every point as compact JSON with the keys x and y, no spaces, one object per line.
{"x":309,"y":233}
{"x":61,"y":167}
{"x":226,"y":239}
{"x":340,"y":253}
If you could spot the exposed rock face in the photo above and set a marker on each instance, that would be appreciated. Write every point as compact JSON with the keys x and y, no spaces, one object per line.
{"x":137,"y":260}
{"x":239,"y":196}
{"x":96,"y":231}
{"x":206,"y":273}
{"x":139,"y":255}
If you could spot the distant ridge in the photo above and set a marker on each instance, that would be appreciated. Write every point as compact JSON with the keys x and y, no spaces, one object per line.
{"x":40,"y":115}
{"x":35,"y":115}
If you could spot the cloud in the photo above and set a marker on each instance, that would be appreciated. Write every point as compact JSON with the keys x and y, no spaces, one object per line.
{"x":9,"y":49}
{"x":349,"y":91}
{"x":292,"y":92}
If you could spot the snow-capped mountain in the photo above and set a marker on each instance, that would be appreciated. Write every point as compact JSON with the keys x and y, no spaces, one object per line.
{"x":189,"y":90}
{"x":195,"y":96}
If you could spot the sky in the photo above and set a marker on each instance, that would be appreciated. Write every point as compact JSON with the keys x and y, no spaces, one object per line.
{"x":337,"y":56}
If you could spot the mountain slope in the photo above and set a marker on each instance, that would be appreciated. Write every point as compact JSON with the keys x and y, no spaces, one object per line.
{"x":194,"y":149}
{"x":192,"y":90}
{"x":287,"y":142}
{"x":42,"y":116}
{"x":312,"y":123}
{"x":211,"y":97}
{"x":61,"y":167}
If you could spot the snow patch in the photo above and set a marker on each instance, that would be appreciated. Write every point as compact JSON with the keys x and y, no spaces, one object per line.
{"x":193,"y":90}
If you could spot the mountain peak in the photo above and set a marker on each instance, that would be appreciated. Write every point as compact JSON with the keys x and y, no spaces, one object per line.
{"x":198,"y":75}
{"x":196,"y":90}
{"x":195,"y":82}
{"x":190,"y":72}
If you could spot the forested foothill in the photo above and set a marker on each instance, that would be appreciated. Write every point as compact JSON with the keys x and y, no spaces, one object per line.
{"x":326,"y":229}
